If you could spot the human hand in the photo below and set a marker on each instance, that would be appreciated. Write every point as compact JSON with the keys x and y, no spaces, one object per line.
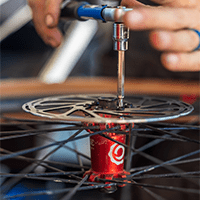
{"x":169,"y":26}
{"x":45,"y":17}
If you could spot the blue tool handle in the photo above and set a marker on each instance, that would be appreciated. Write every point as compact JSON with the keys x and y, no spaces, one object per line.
{"x":82,"y":11}
{"x":69,"y":10}
{"x":95,"y":12}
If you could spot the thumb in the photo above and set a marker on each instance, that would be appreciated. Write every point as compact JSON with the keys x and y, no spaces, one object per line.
{"x":52,"y":12}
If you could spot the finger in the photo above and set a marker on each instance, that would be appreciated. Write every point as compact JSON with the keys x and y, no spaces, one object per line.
{"x":52,"y":12}
{"x":177,"y":3}
{"x":51,"y":36}
{"x":181,"y":61}
{"x":131,"y":3}
{"x":182,"y":41}
{"x":162,"y":18}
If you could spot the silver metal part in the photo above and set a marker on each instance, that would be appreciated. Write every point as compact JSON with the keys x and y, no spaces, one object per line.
{"x":121,"y":74}
{"x":88,"y":109}
{"x":115,"y":14}
{"x":120,"y":38}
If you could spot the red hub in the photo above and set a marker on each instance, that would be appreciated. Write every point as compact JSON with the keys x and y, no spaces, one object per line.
{"x":107,"y":157}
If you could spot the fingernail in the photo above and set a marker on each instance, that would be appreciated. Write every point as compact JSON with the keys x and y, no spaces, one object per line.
{"x":135,"y":17}
{"x":172,"y":61}
{"x":49,"y":20}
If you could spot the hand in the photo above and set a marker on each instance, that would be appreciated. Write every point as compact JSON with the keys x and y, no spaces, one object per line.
{"x":45,"y":17}
{"x":169,"y":26}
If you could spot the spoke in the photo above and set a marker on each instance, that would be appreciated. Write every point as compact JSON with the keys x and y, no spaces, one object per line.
{"x":11,"y":124}
{"x":35,"y":163}
{"x":45,"y":161}
{"x":26,"y":133}
{"x":157,"y":197}
{"x":58,"y":191}
{"x":174,"y":125}
{"x":173,"y":175}
{"x":50,"y":145}
{"x":142,"y":101}
{"x":66,"y":147}
{"x":75,"y":189}
{"x":185,"y":190}
{"x":173,"y":134}
{"x":157,"y":141}
{"x":163,"y":129}
{"x":57,"y":148}
{"x":165,"y":163}
{"x":185,"y":161}
{"x":78,"y":158}
{"x":164,"y":138}
{"x":44,"y":130}
{"x":59,"y":180}
{"x":149,"y":157}
{"x":43,"y":177}
{"x":20,"y":136}
{"x":151,"y":144}
{"x":173,"y":163}
{"x":39,"y":163}
{"x":134,"y":150}
{"x":8,"y":184}
{"x":29,"y":175}
{"x":128,"y":160}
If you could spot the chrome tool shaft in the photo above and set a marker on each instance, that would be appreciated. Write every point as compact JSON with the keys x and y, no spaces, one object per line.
{"x":120,"y":37}
{"x":121,"y":71}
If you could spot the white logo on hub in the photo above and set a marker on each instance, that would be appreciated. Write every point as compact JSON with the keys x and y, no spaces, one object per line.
{"x":116,"y":159}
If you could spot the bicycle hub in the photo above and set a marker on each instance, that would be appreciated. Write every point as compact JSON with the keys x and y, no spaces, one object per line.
{"x":107,"y":156}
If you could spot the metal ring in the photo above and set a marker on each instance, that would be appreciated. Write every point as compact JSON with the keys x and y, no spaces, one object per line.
{"x":198,"y":32}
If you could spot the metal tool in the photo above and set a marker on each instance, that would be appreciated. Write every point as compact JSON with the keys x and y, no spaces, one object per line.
{"x":84,"y":11}
{"x":120,"y":37}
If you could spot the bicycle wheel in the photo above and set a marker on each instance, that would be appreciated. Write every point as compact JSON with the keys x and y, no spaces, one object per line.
{"x":162,"y":159}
